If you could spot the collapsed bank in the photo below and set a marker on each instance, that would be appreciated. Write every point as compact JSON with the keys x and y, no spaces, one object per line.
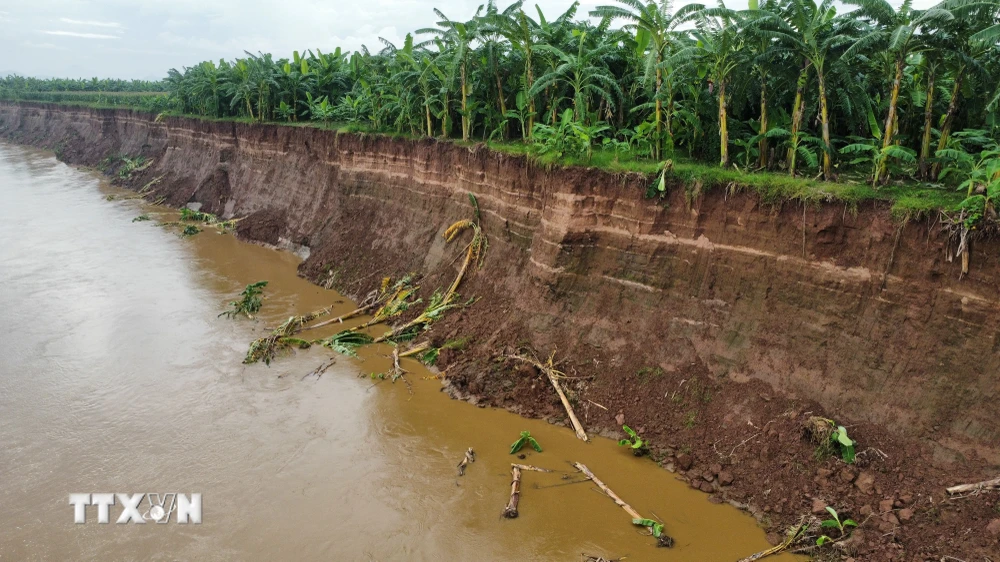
{"x":715,"y":324}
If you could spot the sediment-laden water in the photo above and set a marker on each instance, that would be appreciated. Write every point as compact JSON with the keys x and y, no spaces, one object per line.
{"x":116,"y":375}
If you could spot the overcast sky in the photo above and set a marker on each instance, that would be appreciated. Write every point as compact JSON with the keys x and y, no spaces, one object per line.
{"x":145,"y":38}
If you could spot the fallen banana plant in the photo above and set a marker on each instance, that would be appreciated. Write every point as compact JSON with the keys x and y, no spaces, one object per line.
{"x":656,"y":529}
{"x":347,"y":341}
{"x":554,"y":375}
{"x":510,"y":511}
{"x":281,"y":338}
{"x":249,"y":303}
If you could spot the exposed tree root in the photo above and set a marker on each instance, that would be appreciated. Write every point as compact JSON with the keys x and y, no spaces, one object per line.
{"x":554,"y":375}
{"x":470,"y":456}
{"x":637,"y":519}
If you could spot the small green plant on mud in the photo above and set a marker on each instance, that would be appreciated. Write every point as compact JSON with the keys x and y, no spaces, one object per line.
{"x":525,"y":439}
{"x":835,"y":523}
{"x":190,"y":230}
{"x":249,"y":303}
{"x":830,"y":438}
{"x":141,"y":218}
{"x":690,"y":420}
{"x":636,"y":443}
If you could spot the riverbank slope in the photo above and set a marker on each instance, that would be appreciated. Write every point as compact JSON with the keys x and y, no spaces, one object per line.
{"x":712,"y":322}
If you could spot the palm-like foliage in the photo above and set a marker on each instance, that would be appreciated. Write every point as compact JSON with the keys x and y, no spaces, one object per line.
{"x":655,"y":26}
{"x":891,"y":87}
{"x":584,"y":72}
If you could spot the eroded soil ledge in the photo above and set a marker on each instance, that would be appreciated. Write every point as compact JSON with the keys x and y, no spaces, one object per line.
{"x":714,"y":326}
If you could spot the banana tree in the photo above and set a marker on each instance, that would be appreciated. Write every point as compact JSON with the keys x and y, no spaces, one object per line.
{"x":456,"y":39}
{"x":896,"y":32}
{"x":715,"y":55}
{"x":584,"y":72}
{"x":655,"y":25}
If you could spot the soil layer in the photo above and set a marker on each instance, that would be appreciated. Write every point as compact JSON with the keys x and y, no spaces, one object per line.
{"x":713,"y":323}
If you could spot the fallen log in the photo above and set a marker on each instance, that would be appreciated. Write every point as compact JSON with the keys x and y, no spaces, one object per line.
{"x":661,"y":538}
{"x":510,"y":512}
{"x":470,"y":456}
{"x":553,"y":374}
{"x":978,"y":486}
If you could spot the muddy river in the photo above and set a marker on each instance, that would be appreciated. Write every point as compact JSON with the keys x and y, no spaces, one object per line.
{"x":117,"y":376}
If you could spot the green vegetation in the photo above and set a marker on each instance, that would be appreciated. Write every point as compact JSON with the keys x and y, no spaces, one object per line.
{"x":830,"y":438}
{"x":190,"y":230}
{"x":249,"y":301}
{"x":525,"y":439}
{"x":654,"y":527}
{"x":834,"y":523}
{"x":141,"y":218}
{"x":878,"y":101}
{"x":638,"y":446}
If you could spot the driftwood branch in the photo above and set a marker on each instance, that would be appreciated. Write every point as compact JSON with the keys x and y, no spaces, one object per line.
{"x":530,"y":467}
{"x":470,"y":456}
{"x":978,"y":486}
{"x":550,"y":371}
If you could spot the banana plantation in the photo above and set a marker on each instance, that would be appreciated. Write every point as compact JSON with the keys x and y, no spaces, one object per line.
{"x":871,"y":91}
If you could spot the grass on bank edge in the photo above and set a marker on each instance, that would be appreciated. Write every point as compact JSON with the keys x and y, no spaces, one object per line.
{"x":909,"y":199}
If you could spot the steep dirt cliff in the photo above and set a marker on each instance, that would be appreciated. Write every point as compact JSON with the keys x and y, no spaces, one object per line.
{"x":714,"y":324}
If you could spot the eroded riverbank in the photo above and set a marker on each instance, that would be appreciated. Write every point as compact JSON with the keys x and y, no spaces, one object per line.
{"x":122,"y":378}
{"x":713,"y":322}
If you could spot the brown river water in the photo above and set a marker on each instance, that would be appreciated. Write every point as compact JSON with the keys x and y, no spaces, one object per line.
{"x":117,"y":376}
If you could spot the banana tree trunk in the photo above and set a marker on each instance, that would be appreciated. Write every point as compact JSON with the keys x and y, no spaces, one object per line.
{"x":824,"y":116}
{"x":427,"y":112}
{"x":465,"y":105}
{"x":502,"y":103}
{"x":949,"y":119}
{"x":762,"y":145}
{"x":531,"y":100}
{"x":723,"y":127}
{"x":798,"y":111}
{"x":890,"y":124}
{"x":658,"y":145}
{"x":925,"y":144}
{"x":668,"y":119}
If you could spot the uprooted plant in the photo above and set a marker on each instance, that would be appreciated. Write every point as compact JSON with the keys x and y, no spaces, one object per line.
{"x":830,"y":438}
{"x":393,"y":304}
{"x":525,"y":439}
{"x":391,"y":297}
{"x":249,"y":301}
{"x":637,"y":444}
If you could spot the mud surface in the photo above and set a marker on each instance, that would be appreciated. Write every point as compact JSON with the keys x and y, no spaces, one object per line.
{"x":715,"y":324}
